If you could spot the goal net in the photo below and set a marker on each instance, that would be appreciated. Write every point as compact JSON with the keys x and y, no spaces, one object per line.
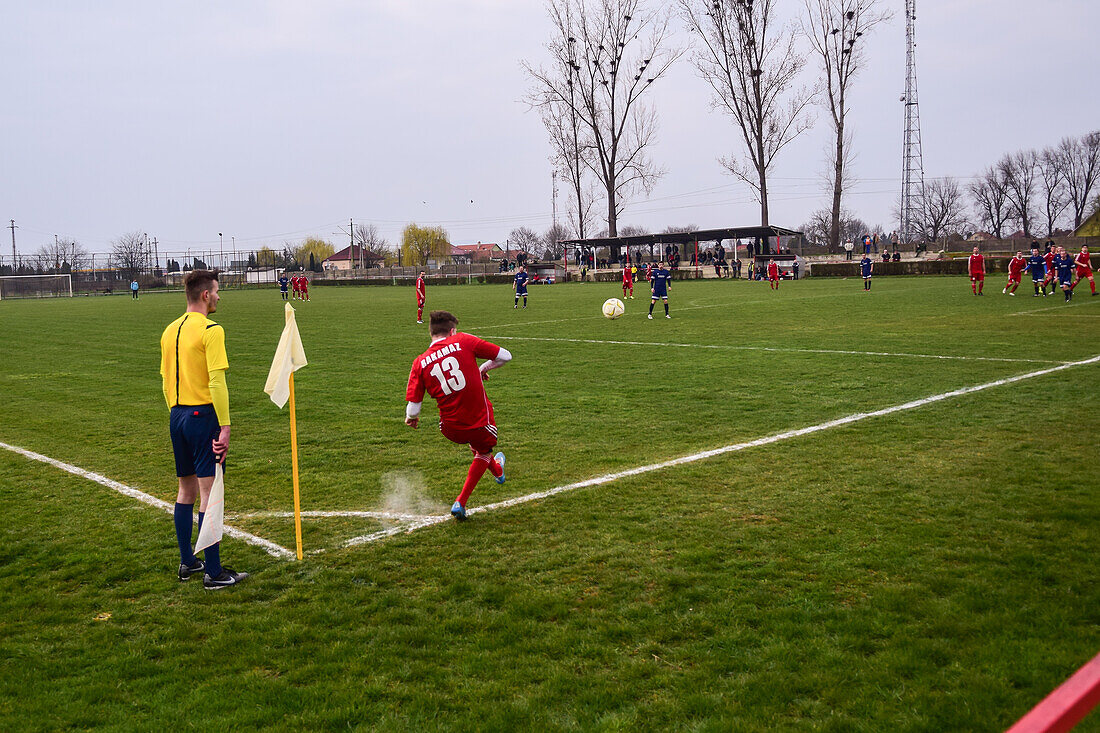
{"x":36,"y":286}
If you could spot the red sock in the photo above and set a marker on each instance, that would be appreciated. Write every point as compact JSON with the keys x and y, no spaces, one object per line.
{"x":477,"y":470}
{"x":496,"y":469}
{"x":973,"y":287}
{"x":420,"y":313}
{"x":1092,"y":285}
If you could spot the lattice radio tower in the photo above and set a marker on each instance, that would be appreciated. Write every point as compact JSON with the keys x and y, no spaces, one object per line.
{"x":912,"y":174}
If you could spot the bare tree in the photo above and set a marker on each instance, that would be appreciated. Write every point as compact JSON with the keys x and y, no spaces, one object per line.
{"x":1080,"y":163}
{"x":525,"y":239}
{"x":1018,"y":171}
{"x":990,"y":201}
{"x":61,"y":255}
{"x":613,"y":51}
{"x":370,"y":240}
{"x":550,"y":241}
{"x":1052,"y":186}
{"x":751,"y":62}
{"x":835,"y":29}
{"x":942,"y":209}
{"x":130,"y":253}
{"x":817,"y":227}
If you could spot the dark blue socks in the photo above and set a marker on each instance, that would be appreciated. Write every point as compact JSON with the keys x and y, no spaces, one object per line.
{"x":211,"y":555}
{"x":184,"y":515}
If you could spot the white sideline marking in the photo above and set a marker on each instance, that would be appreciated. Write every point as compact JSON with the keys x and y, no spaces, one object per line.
{"x":607,"y":478}
{"x":268,"y":546}
{"x":335,"y":513}
{"x":779,"y":349}
{"x":1063,"y":306}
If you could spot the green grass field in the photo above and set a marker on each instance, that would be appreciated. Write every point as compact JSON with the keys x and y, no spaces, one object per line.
{"x":931,"y":569}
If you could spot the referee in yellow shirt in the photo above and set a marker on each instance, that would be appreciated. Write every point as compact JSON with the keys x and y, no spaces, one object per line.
{"x":192,"y":369}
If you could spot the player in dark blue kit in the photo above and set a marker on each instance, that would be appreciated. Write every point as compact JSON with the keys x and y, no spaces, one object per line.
{"x":283,"y":282}
{"x":1064,"y":267}
{"x":659,"y":283}
{"x":1037,"y":266}
{"x":865,"y":267}
{"x":519,"y":284}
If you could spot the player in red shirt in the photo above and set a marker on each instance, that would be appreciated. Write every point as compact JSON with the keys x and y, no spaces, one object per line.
{"x":976,"y":267}
{"x":303,"y":288}
{"x":1016,"y":267}
{"x":773,"y":274}
{"x":628,"y":282}
{"x":449,"y":372}
{"x":420,"y":294}
{"x":649,"y":272}
{"x":1084,"y":270}
{"x":1051,"y":274}
{"x":296,"y":283}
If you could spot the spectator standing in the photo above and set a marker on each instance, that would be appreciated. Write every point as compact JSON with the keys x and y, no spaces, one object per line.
{"x":134,"y":290}
{"x":849,"y":247}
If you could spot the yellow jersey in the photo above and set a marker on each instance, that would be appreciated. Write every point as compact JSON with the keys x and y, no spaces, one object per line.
{"x":191,"y":349}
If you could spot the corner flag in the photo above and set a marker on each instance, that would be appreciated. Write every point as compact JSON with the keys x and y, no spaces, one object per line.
{"x":211,"y":532}
{"x":289,"y":358}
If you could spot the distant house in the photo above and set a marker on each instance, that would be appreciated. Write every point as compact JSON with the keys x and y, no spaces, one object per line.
{"x":461,"y":255}
{"x":349,"y":258}
{"x":980,"y":237}
{"x":480,"y":252}
{"x":1089,"y":227}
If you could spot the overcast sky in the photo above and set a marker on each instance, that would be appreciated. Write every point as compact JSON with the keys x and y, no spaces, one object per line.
{"x":270,"y":121}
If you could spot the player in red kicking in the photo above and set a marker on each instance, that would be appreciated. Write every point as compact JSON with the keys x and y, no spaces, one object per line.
{"x":449,"y":372}
{"x":420,"y":298}
{"x":1051,"y":276}
{"x":1084,"y":270}
{"x":628,"y":283}
{"x":1016,"y":267}
{"x":773,"y":274}
{"x":976,"y":267}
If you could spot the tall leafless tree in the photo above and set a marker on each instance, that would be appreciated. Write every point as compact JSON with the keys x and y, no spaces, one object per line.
{"x":61,"y":255}
{"x":613,"y":51}
{"x":1018,"y":171}
{"x":568,"y":150}
{"x":990,"y":201}
{"x":552,"y":248}
{"x":1052,"y":186}
{"x":751,"y":62}
{"x":942,"y":208}
{"x":836,"y":30}
{"x":130,"y":254}
{"x":1080,"y":161}
{"x":817,"y":227}
{"x":525,"y":239}
{"x":370,"y":240}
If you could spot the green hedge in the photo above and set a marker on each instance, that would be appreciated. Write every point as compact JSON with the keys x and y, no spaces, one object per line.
{"x":911,"y":267}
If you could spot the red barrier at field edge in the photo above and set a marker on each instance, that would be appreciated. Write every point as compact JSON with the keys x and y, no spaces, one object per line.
{"x":1066,"y":706}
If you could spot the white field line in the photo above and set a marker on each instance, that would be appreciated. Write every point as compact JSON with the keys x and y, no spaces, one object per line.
{"x":335,"y":513}
{"x":778,"y":349}
{"x":268,"y":546}
{"x":607,"y":478}
{"x":1060,"y":307}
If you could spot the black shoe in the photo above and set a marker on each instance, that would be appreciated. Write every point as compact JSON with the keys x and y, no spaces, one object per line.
{"x":186,"y":571}
{"x":226,"y":579}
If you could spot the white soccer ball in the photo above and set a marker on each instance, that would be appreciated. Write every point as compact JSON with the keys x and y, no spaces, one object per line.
{"x":613,"y":308}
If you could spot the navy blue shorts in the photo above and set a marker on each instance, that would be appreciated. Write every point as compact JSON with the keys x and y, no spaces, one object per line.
{"x":521,"y":291}
{"x":194,"y":429}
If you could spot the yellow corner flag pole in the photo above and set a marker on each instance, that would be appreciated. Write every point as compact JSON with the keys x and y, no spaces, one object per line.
{"x":289,"y":357}
{"x":294,"y":464}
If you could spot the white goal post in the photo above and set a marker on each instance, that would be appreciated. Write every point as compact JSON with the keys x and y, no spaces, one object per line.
{"x":35,"y":286}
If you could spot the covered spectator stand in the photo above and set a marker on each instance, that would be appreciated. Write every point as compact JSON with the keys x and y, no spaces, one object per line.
{"x":764,"y":241}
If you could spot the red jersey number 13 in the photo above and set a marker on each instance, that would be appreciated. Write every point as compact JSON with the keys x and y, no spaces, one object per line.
{"x":449,"y":375}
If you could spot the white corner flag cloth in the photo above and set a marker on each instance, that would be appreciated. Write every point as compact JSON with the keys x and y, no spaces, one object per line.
{"x":211,"y":531}
{"x":289,"y":358}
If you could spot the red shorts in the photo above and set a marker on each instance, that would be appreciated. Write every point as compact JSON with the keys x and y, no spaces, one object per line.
{"x":1083,"y":273}
{"x":419,"y":301}
{"x":1015,"y":277}
{"x":481,"y":440}
{"x":773,"y":278}
{"x":977,"y":276}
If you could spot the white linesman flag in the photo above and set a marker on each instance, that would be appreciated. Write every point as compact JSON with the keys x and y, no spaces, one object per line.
{"x":289,"y":358}
{"x":211,"y":532}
